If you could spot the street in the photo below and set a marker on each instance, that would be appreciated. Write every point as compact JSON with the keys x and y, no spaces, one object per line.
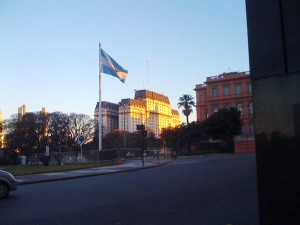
{"x":214,"y":190}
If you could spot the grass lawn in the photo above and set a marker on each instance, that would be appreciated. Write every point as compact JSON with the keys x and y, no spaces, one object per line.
{"x":32,"y":169}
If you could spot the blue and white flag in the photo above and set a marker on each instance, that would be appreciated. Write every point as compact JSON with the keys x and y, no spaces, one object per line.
{"x":111,"y":67}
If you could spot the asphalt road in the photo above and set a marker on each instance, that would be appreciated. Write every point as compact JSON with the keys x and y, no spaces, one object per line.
{"x":216,"y":190}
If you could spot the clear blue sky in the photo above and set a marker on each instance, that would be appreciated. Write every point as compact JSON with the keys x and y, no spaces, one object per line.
{"x":49,"y":49}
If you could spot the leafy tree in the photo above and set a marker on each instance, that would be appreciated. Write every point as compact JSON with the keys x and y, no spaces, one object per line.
{"x":186,"y":101}
{"x":113,"y":139}
{"x":151,"y":140}
{"x":193,"y":133}
{"x":172,"y":136}
{"x":223,"y":125}
{"x":12,"y":137}
{"x":79,"y":124}
{"x":167,"y":134}
{"x":41,"y":126}
{"x":28,"y":133}
{"x":21,"y":134}
{"x":132,"y":140}
{"x":34,"y":131}
{"x":58,"y":130}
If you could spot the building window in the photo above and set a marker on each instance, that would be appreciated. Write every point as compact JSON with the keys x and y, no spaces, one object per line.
{"x":214,"y":92}
{"x":215,"y":109}
{"x":226,"y":90}
{"x":251,"y":108}
{"x":238,"y":89}
{"x":240,"y":108}
{"x":249,"y":87}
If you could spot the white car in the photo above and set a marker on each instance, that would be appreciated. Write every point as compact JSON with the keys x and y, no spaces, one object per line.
{"x":7,"y":183}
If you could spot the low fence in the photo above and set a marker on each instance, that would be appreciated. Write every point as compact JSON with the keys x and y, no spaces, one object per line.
{"x":94,"y":156}
{"x":66,"y":157}
{"x":135,"y":153}
{"x":103,"y":155}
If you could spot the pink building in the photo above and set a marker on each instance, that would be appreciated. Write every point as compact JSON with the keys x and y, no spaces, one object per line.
{"x":232,"y":89}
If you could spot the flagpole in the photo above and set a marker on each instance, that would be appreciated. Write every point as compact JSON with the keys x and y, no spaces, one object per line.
{"x":100,"y":107}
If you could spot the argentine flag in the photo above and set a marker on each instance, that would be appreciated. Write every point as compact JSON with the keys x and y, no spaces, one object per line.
{"x":111,"y":67}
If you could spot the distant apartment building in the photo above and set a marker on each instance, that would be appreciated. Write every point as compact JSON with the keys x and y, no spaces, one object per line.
{"x":150,"y":109}
{"x":110,"y":116}
{"x":232,"y":89}
{"x":22,"y":111}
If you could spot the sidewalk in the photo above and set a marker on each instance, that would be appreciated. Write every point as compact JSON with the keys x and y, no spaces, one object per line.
{"x":129,"y":165}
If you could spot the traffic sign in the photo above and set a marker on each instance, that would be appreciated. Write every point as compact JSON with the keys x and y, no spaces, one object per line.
{"x":81,"y":139}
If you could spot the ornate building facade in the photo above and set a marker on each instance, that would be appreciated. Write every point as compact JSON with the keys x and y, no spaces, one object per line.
{"x":110,"y":116}
{"x":232,"y":89}
{"x":150,"y":109}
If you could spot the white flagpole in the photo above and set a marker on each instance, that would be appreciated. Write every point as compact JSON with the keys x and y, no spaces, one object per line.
{"x":100,"y":107}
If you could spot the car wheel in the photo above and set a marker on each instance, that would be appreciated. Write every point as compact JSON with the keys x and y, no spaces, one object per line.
{"x":4,"y":190}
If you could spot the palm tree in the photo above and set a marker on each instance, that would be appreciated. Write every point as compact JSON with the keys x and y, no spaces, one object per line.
{"x":186,"y":101}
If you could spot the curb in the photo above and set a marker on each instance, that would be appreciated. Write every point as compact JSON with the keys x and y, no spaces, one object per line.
{"x":88,"y":175}
{"x":66,"y":170}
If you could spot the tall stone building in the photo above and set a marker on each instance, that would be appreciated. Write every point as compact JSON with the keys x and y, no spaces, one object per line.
{"x":150,"y":109}
{"x":110,"y":116}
